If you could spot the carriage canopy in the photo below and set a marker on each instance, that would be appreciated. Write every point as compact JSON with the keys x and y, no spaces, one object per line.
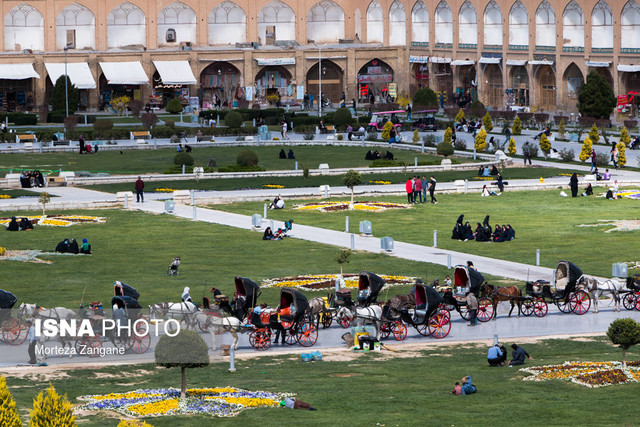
{"x":466,"y":277}
{"x":289,"y":297}
{"x":7,"y":299}
{"x":121,"y":289}
{"x":125,"y":302}
{"x":247,"y":288}
{"x":369,"y":286}
{"x":566,"y":276}
{"x":427,"y":296}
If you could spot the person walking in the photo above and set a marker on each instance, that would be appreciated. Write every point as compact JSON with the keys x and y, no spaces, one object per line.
{"x":31,"y":339}
{"x":409,"y":189}
{"x":432,"y":189}
{"x":283,"y":132}
{"x":507,"y":134}
{"x":81,"y":144}
{"x":472,"y":306}
{"x":425,"y":184}
{"x":594,"y":160}
{"x":139,"y":187}
{"x":526,"y":152}
{"x":614,"y":155}
{"x":417,"y":190}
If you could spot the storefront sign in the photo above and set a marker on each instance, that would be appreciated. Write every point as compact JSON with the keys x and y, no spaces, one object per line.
{"x":374,"y":70}
{"x":248,"y":93}
{"x":276,"y":61}
{"x":375,"y":78}
{"x":413,"y":59}
{"x":299,"y":92}
{"x":393,"y":89}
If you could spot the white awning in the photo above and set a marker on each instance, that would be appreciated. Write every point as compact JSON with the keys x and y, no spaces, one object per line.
{"x":276,"y":61}
{"x":598,"y":64}
{"x":485,"y":60}
{"x":78,"y":73}
{"x":516,"y":62}
{"x":415,"y":59}
{"x":439,"y":60}
{"x":459,"y":62}
{"x":541,"y":62}
{"x":175,"y":72}
{"x":18,"y":71}
{"x":221,"y":60}
{"x":124,"y":73}
{"x":628,"y":68}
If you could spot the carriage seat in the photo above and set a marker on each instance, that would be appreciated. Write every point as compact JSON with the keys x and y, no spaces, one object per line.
{"x":421,"y":310}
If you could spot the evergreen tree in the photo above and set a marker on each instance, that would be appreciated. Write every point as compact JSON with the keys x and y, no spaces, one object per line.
{"x":425,"y":97}
{"x":624,"y":333}
{"x":174,"y":106}
{"x":58,"y":95}
{"x":622,"y":146}
{"x":481,"y":141}
{"x":596,"y":98}
{"x":416,"y":136}
{"x":512,"y":147}
{"x":50,"y":409}
{"x":8,"y":412}
{"x":486,"y":121}
{"x":459,"y":116}
{"x":517,"y":126}
{"x":585,"y":153}
{"x":594,"y":136}
{"x":545,"y":145}
{"x":447,"y":135}
{"x":386,"y":131}
{"x":561,"y":128}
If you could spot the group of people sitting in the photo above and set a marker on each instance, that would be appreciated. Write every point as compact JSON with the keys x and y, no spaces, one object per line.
{"x":470,"y":127}
{"x":23,"y":225}
{"x":277,"y":203}
{"x":485,"y":171}
{"x":31,"y":179}
{"x":284,"y":155}
{"x":72,"y":247}
{"x":497,"y":355}
{"x":483,"y":232}
{"x":278,"y":235}
{"x":376,"y":155}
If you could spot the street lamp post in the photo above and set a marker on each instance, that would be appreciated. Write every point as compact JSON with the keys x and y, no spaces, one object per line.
{"x":319,"y":78}
{"x":66,"y":89}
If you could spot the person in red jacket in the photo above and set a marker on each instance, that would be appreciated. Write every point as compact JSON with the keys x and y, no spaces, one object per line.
{"x":139,"y":190}
{"x":417,"y":190}
{"x":409,"y":187}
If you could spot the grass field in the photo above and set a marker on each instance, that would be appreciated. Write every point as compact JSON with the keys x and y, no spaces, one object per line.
{"x":542,"y":220}
{"x":412,"y":388}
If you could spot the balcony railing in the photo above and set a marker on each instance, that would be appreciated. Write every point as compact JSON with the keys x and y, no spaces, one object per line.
{"x":573,"y":48}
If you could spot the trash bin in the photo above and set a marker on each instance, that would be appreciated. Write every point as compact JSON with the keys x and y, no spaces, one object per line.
{"x":169,"y":205}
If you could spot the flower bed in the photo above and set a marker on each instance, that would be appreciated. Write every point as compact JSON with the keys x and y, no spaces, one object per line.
{"x":588,"y":374}
{"x":273,"y":186}
{"x":59,"y":220}
{"x":379,"y":182}
{"x":357,"y":205}
{"x":316,"y":282}
{"x":218,"y":401}
{"x":164,"y":190}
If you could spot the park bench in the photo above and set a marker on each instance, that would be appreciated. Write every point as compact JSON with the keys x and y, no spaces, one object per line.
{"x":203,"y":138}
{"x":56,"y":181}
{"x":61,"y":143}
{"x":358,"y":134}
{"x":140,"y":134}
{"x":330,"y":129}
{"x":26,"y":138}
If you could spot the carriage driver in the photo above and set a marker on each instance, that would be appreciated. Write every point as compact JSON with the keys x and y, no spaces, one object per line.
{"x":186,"y":299}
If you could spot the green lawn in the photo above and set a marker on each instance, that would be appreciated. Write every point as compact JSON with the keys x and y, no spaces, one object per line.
{"x":373,"y":389}
{"x":542,"y":220}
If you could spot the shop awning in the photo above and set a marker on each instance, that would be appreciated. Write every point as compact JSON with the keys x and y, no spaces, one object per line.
{"x":460,"y":62}
{"x":628,"y":68}
{"x":540,"y":62}
{"x":78,"y":73}
{"x":124,"y":73}
{"x":485,"y":60}
{"x":18,"y":71}
{"x":516,"y":62}
{"x":598,"y":64}
{"x":276,"y":61}
{"x":175,"y":72}
{"x":439,"y":60}
{"x":416,"y":59}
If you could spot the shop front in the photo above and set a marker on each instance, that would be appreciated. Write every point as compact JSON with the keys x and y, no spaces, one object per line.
{"x":79,"y":75}
{"x":17,"y":87}
{"x":466,"y":88}
{"x":374,"y":79}
{"x":331,"y":81}
{"x":220,"y":81}
{"x":442,"y":78}
{"x":121,"y":79}
{"x":172,"y":79}
{"x":419,"y":73}
{"x":518,"y":90}
{"x":274,"y":81}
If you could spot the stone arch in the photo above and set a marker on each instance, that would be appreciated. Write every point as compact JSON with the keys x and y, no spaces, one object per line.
{"x":375,"y":24}
{"x":420,"y":23}
{"x":126,"y":26}
{"x":227,"y":24}
{"x":468,"y":25}
{"x":444,"y":23}
{"x":492,"y":24}
{"x":23,"y":28}
{"x":545,"y":25}
{"x":397,"y":24}
{"x":573,"y":78}
{"x":602,"y":26}
{"x":546,"y":78}
{"x":75,"y":28}
{"x":332,"y":80}
{"x":180,"y":18}
{"x":494,"y":87}
{"x":273,"y":79}
{"x":573,"y":27}
{"x":518,"y":25}
{"x":630,"y":26}
{"x":221,"y":79}
{"x":374,"y":78}
{"x":276,"y":21}
{"x":325,"y":22}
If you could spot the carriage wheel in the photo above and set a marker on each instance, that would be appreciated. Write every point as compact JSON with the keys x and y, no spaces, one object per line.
{"x":138,"y":344}
{"x":580,"y":302}
{"x":464,"y":312}
{"x":385,"y":330}
{"x":486,"y":310}
{"x":422,"y":328}
{"x":637,"y":302}
{"x":89,"y":346}
{"x":262,"y":339}
{"x":443,"y":311}
{"x":345,"y":322}
{"x":308,"y":334}
{"x":629,"y":301}
{"x":563,"y":306}
{"x":327,"y":319}
{"x":540,"y":307}
{"x":292,"y":336}
{"x":14,"y":331}
{"x":439,"y":325}
{"x":527,"y":307}
{"x":399,"y":330}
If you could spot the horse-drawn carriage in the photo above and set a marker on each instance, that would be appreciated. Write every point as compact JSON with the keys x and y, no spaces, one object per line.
{"x":631,"y":298}
{"x":342,"y":298}
{"x":247,"y":293}
{"x":292,"y":319}
{"x":14,"y":330}
{"x":569,"y":296}
{"x":471,"y":280}
{"x":369,"y":286}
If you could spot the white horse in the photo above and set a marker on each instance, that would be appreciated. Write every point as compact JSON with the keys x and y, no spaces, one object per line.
{"x":217,"y":325}
{"x":363,"y":315}
{"x":180,"y":311}
{"x":597,"y":289}
{"x":33,"y":310}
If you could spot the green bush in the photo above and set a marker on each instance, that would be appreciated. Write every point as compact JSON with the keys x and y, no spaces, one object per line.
{"x":174,"y":106}
{"x":305,"y":129}
{"x":305,"y":121}
{"x":342,"y":117}
{"x":364,"y":120}
{"x":247,"y":158}
{"x":103,"y":124}
{"x":239,"y":168}
{"x":170,"y":123}
{"x":385,"y":163}
{"x":188,"y":169}
{"x":24,"y":119}
{"x":425,"y":97}
{"x":183,"y":159}
{"x":233,"y":120}
{"x":55,"y":116}
{"x":444,"y":149}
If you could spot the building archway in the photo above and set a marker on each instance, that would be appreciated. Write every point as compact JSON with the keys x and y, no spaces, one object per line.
{"x":604,"y":72}
{"x":518,"y":92}
{"x":442,"y":80}
{"x":373,"y":79}
{"x":75,"y":28}
{"x":493,"y":86}
{"x":126,"y":26}
{"x":23,"y":28}
{"x":547,"y":84}
{"x":419,"y":77}
{"x":274,"y":79}
{"x":221,"y":79}
{"x":332,"y":80}
{"x":573,"y":79}
{"x":467,"y":84}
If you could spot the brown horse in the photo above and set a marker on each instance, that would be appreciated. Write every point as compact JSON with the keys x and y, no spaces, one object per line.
{"x":513,"y":294}
{"x":392,"y":308}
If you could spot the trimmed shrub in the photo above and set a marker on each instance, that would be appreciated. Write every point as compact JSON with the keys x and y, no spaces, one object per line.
{"x":486,"y":121}
{"x":602,"y":159}
{"x":342,"y":117}
{"x":174,"y":106}
{"x":517,"y":126}
{"x":233,"y":119}
{"x":240,"y":168}
{"x":444,"y":149}
{"x":247,"y":158}
{"x":183,"y":159}
{"x":585,"y":152}
{"x":541,"y":117}
{"x":567,"y":155}
{"x":481,"y":141}
{"x":23,"y":119}
{"x":425,"y":97}
{"x":103,"y":124}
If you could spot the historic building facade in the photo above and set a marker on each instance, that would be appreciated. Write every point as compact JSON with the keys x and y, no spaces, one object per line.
{"x":504,"y":52}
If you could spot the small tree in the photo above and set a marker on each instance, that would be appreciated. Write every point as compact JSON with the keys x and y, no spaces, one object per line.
{"x":247,"y":158}
{"x":594,"y":135}
{"x":425,"y":97}
{"x":233,"y":119}
{"x":185,"y":350}
{"x":149,"y":120}
{"x":447,"y":135}
{"x":120,"y":104}
{"x":481,"y":141}
{"x":58,"y":97}
{"x":183,"y":159}
{"x":512,"y":147}
{"x":596,"y":98}
{"x":561,"y":128}
{"x":135,"y":105}
{"x":70,"y":123}
{"x":350,"y":180}
{"x":343,"y":257}
{"x":403,"y":100}
{"x":8,"y":413}
{"x":342,"y":117}
{"x":622,"y":146}
{"x":545,"y":145}
{"x":51,"y":409}
{"x":486,"y":121}
{"x":174,"y":106}
{"x":43,"y":200}
{"x":386,"y":131}
{"x":459,"y":116}
{"x":625,"y":333}
{"x":517,"y":126}
{"x":416,"y":136}
{"x":444,"y":149}
{"x":587,"y":147}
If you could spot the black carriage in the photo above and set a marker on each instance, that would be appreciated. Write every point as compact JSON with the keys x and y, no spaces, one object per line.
{"x":342,"y":298}
{"x":428,"y":317}
{"x":369,"y":286}
{"x":427,"y":122}
{"x":246,"y":297}
{"x":631,"y":297}
{"x":468,"y":280}
{"x":567,"y":296}
{"x":14,"y":330}
{"x":121,"y":289}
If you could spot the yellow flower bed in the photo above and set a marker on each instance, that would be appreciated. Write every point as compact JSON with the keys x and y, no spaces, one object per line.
{"x":128,"y":395}
{"x":380,"y":182}
{"x":248,"y":402}
{"x":159,"y":407}
{"x":588,"y":374}
{"x":5,"y":196}
{"x":217,"y":390}
{"x":164,"y":190}
{"x":316,"y":282}
{"x":273,"y":186}
{"x":59,"y":220}
{"x":367,"y":206}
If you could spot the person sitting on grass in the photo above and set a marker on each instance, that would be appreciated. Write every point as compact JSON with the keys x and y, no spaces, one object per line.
{"x":465,"y":388}
{"x":86,"y":247}
{"x":481,"y":234}
{"x":486,"y":192}
{"x":268,"y":234}
{"x":25,"y":224}
{"x":277,"y":203}
{"x":606,"y":176}
{"x":497,"y":234}
{"x":293,"y":403}
{"x":63,"y":247}
{"x":518,"y":355}
{"x":497,"y":355}
{"x":13,"y":225}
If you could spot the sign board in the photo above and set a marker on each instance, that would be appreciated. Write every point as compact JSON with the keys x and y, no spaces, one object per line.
{"x":393,"y":89}
{"x":248,"y":93}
